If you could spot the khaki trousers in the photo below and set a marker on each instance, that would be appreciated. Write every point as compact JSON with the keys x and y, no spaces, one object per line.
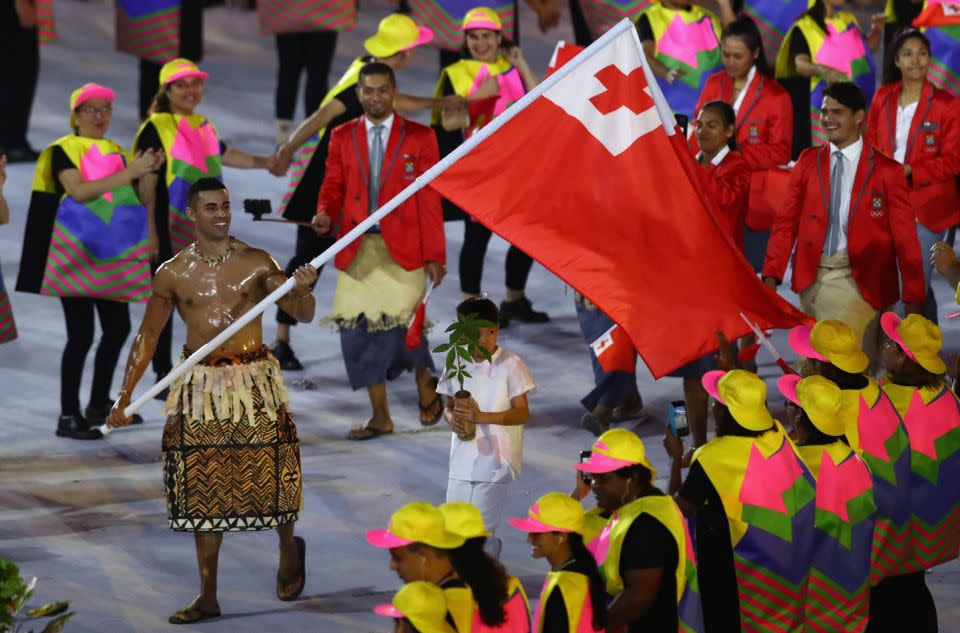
{"x":834,"y":295}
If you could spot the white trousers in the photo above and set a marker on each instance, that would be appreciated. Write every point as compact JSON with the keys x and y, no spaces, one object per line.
{"x":488,"y":497}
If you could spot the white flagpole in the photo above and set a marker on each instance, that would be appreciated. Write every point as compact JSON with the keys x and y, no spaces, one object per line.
{"x":422,"y":181}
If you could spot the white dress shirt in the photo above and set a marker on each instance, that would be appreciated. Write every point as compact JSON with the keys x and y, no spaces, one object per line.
{"x":851,"y":156}
{"x":718,"y":158}
{"x":904,"y":121}
{"x":496,"y":454}
{"x":743,"y":92}
{"x":387,"y":125}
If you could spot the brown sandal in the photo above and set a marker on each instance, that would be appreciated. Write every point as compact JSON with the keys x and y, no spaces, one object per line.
{"x":301,"y":577}
{"x":191,"y":614}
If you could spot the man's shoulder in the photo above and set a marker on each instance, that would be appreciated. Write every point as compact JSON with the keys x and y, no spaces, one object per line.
{"x":415,"y":129}
{"x":345,"y":128}
{"x":883,"y":162}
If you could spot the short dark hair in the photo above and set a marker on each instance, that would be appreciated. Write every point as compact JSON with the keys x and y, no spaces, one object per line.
{"x":377,"y":68}
{"x":480,"y":308}
{"x":890,"y":72}
{"x":204,"y":184}
{"x":847,"y":94}
{"x":641,"y":473}
{"x":746,"y":29}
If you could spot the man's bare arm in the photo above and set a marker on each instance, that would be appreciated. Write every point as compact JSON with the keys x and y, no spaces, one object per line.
{"x":299,"y":302}
{"x":158,"y":311}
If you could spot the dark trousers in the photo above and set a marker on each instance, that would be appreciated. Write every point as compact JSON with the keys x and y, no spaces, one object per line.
{"x":309,"y":245}
{"x":20,"y":65}
{"x":312,"y":52}
{"x":902,"y":603}
{"x":581,"y":32}
{"x":476,"y":237}
{"x":115,"y":328}
{"x":149,"y":84}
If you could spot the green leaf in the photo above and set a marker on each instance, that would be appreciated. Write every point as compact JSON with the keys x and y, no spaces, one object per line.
{"x":439,"y":349}
{"x":48,"y":610}
{"x":452,"y":327}
{"x":466,"y":374}
{"x":482,"y":324}
{"x":56,"y":625}
{"x":451,"y":357}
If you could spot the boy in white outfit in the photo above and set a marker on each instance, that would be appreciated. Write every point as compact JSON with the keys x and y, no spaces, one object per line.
{"x":482,"y":468}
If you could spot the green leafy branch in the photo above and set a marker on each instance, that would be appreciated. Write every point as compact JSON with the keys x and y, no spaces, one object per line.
{"x":463,"y":346}
{"x":14,"y":594}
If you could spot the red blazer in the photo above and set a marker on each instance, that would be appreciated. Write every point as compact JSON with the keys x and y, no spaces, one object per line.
{"x":414,"y":231}
{"x":764,"y":134}
{"x":727,"y":185}
{"x":881,"y":234}
{"x":933,"y":150}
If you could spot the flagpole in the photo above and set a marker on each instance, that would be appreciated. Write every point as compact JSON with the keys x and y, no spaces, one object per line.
{"x":422,"y":181}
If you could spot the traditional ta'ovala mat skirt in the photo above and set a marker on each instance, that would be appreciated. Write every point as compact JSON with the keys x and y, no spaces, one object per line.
{"x":231,"y":455}
{"x":372,"y":306}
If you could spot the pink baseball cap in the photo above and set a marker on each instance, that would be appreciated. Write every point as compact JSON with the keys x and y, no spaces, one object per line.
{"x":90,"y":91}
{"x":788,"y":387}
{"x":616,"y":449}
{"x":890,"y":321}
{"x":799,"y":339}
{"x":481,"y":18}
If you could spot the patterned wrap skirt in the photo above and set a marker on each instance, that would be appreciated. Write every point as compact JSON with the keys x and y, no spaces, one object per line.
{"x":231,"y":455}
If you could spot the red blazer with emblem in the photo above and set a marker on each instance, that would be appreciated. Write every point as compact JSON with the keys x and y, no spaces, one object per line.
{"x":881,"y":230}
{"x":413,"y":232}
{"x":933,"y":150}
{"x":727,"y":186}
{"x":764,"y":133}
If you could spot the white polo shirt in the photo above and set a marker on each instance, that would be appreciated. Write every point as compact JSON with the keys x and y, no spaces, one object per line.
{"x":496,"y":453}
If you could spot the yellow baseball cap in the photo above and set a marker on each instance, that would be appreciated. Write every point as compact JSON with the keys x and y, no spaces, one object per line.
{"x":820,"y":398}
{"x":396,"y":32}
{"x":832,"y":342}
{"x":416,"y":522}
{"x":918,"y":337}
{"x":616,"y":449}
{"x":423,"y":603}
{"x":481,"y":18}
{"x":180,"y":69}
{"x":744,"y":394}
{"x":553,"y":512}
{"x":463,"y":519}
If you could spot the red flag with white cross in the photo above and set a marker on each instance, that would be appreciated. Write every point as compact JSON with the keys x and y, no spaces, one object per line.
{"x":614,"y":351}
{"x":592,"y":179}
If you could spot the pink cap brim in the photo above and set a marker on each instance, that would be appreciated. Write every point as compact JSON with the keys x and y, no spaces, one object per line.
{"x":532,"y":525}
{"x":711,"y":382}
{"x":600,"y":463}
{"x":788,"y":387}
{"x":385,"y":540}
{"x":183,"y":74}
{"x":481,"y":24}
{"x":387,"y":611}
{"x":799,"y":339}
{"x":425,"y":36}
{"x":890,"y":321}
{"x":95,"y":92}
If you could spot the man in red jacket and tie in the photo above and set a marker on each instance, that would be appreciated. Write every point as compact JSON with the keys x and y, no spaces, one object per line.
{"x":848,"y":213}
{"x":383,"y":274}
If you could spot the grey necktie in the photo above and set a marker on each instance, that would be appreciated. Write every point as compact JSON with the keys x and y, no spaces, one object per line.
{"x":376,"y":161}
{"x":832,"y":243}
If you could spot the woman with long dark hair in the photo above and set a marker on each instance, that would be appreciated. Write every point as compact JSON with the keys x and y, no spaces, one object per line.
{"x":763,"y":123}
{"x":493,"y":73}
{"x":918,"y":125}
{"x":824,"y":46}
{"x":488,"y":595}
{"x":573,"y":596}
{"x":915,"y":383}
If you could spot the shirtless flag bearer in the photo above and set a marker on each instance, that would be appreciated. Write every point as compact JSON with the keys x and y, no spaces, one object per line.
{"x":231,"y":456}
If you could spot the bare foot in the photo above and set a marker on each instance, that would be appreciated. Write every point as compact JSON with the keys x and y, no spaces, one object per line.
{"x":292,"y":572}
